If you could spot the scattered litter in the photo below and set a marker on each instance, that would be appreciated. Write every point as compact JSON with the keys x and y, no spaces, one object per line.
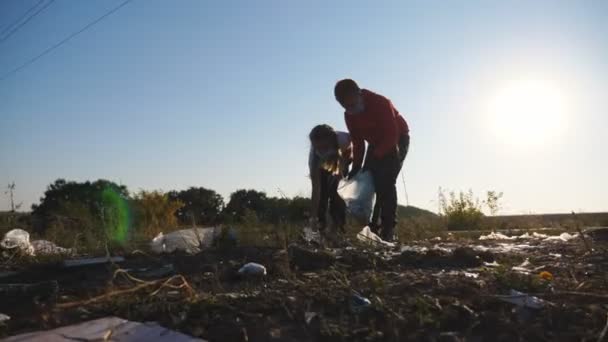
{"x":106,"y":329}
{"x":311,"y":235}
{"x":555,"y":255}
{"x":471,"y":275}
{"x":92,"y":261}
{"x":417,"y":249}
{"x":253,"y":268}
{"x":499,"y":236}
{"x":359,"y":303}
{"x":496,"y":236}
{"x":190,"y":241}
{"x":18,"y":239}
{"x":358,"y":194}
{"x":457,"y":273}
{"x":4,"y":318}
{"x":366,"y":235}
{"x":45,"y":247}
{"x":491,"y":264}
{"x":523,"y":300}
{"x":562,"y":237}
{"x":309,"y":316}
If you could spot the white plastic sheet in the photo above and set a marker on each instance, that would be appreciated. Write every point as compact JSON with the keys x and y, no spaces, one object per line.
{"x":190,"y":241}
{"x":359,"y":194}
{"x":18,"y":239}
{"x":366,"y":235}
{"x":253,"y":268}
{"x":527,"y":236}
{"x":45,"y":247}
{"x":523,"y":300}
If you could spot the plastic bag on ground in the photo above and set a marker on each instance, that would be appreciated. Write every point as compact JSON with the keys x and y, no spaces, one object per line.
{"x":17,"y":239}
{"x":190,"y":241}
{"x":253,"y":268}
{"x":359,"y":194}
{"x":45,"y":247}
{"x":366,"y":235}
{"x":523,"y":300}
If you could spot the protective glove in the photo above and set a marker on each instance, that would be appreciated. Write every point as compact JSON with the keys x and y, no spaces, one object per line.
{"x":353,"y":172}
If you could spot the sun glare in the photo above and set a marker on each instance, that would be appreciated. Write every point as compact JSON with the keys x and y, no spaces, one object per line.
{"x":528,"y":113}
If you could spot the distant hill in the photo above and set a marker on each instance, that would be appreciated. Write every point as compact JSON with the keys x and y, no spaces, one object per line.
{"x":411,"y":211}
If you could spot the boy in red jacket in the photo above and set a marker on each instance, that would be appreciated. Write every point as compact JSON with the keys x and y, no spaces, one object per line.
{"x":373,"y":118}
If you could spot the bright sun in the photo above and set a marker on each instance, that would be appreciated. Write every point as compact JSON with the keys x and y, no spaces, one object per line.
{"x":528,"y":113}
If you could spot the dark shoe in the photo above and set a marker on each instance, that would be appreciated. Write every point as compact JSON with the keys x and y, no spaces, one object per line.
{"x":388,"y":234}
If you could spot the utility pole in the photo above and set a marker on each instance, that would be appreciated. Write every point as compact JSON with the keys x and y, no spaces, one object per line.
{"x":10,"y":190}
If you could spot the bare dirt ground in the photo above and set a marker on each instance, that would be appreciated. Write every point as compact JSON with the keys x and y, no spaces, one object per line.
{"x":431,"y":290}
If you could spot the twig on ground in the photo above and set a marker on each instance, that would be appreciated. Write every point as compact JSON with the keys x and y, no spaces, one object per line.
{"x":142,"y":285}
{"x":580,"y":233}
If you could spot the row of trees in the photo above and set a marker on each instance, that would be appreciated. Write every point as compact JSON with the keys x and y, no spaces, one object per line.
{"x":105,"y":208}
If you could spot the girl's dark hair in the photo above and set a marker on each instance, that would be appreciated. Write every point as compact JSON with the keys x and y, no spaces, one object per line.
{"x":324,"y":132}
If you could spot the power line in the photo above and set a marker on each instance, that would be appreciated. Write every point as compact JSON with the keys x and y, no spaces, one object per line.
{"x":16,"y":28}
{"x":7,"y":28}
{"x":65,"y":40}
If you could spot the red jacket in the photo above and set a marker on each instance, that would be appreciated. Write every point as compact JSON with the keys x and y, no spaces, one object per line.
{"x":380,"y":125}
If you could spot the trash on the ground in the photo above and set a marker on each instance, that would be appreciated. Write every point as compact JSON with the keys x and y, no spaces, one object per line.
{"x":544,"y":237}
{"x":416,"y":249}
{"x":546,"y":275}
{"x":471,"y":275}
{"x":457,"y":273}
{"x":309,"y":316}
{"x":366,"y":235}
{"x":253,"y":268}
{"x":526,"y":267}
{"x":190,"y":241}
{"x":359,"y":303}
{"x":19,"y":240}
{"x":496,"y":236}
{"x":4,"y":318}
{"x":106,"y":329}
{"x":555,"y":255}
{"x":359,"y":195}
{"x":92,"y":261}
{"x":491,"y":264}
{"x":562,"y":237}
{"x":311,"y":235}
{"x":45,"y":247}
{"x":523,"y":300}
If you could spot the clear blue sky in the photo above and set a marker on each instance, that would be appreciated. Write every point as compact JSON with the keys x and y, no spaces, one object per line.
{"x":170,"y":94}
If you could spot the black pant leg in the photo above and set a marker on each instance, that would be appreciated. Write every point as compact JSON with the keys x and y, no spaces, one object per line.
{"x":337,"y":206}
{"x":323,"y":197}
{"x":385,"y":174}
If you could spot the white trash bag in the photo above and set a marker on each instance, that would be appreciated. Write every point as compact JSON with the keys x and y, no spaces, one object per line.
{"x":366,"y":235}
{"x":359,"y":194}
{"x":186,"y":240}
{"x":17,"y":239}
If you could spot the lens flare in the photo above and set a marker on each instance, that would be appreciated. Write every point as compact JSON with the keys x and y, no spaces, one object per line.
{"x":118,"y":214}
